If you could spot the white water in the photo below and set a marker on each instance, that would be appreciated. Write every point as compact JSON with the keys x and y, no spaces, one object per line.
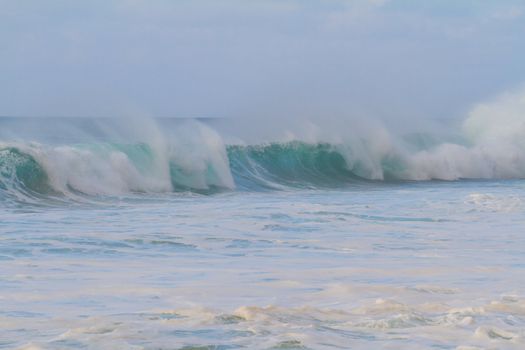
{"x":490,"y":145}
{"x":414,"y":266}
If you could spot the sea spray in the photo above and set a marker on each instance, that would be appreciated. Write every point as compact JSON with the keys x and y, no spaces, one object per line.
{"x":115,"y":156}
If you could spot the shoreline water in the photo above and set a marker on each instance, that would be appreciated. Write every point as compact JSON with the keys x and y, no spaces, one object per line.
{"x":415,"y":265}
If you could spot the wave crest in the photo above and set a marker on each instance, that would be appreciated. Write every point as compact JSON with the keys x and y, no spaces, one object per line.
{"x":193,"y":156}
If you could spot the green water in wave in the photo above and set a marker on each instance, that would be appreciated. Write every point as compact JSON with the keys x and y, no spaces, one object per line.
{"x":18,"y":169}
{"x":294,"y":164}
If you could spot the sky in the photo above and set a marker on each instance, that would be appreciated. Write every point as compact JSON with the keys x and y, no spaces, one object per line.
{"x":252,"y":58}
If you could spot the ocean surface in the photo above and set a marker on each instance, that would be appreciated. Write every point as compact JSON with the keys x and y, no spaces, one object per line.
{"x":190,"y":235}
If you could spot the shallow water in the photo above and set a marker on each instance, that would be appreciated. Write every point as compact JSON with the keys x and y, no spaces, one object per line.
{"x":373,"y":266}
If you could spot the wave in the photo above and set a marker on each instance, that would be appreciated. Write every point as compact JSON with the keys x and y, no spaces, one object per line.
{"x":116,"y":169}
{"x":193,"y":156}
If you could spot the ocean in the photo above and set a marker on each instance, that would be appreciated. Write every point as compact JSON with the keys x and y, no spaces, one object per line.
{"x":187,"y":234}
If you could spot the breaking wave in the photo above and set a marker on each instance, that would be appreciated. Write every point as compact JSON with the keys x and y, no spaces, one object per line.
{"x":197,"y":158}
{"x":113,"y":169}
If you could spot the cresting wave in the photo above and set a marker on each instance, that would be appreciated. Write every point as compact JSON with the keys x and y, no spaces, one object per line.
{"x":195,"y":157}
{"x":112,"y":169}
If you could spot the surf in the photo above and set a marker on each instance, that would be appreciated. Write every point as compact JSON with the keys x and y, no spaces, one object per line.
{"x":94,"y":157}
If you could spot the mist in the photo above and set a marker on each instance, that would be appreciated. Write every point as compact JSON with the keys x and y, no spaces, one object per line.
{"x":402,"y":62}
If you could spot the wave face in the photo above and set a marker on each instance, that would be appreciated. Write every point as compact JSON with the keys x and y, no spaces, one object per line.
{"x":20,"y":175}
{"x":293,"y":164}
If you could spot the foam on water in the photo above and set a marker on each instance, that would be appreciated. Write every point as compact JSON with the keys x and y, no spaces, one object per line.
{"x":412,"y":265}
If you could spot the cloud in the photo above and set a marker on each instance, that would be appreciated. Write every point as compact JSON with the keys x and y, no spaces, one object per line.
{"x":256,"y":58}
{"x":511,"y":13}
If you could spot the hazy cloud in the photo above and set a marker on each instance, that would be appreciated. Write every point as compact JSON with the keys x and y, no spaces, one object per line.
{"x":257,"y":58}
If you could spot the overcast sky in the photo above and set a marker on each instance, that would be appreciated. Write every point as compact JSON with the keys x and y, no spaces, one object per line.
{"x":242,"y":58}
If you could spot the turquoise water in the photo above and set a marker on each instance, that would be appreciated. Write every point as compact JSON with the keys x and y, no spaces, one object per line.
{"x":290,"y":245}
